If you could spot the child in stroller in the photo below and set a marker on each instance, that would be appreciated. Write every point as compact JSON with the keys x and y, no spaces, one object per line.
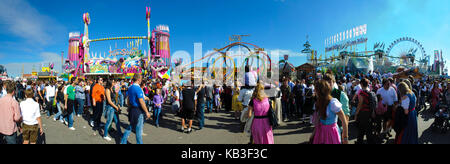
{"x":441,"y":117}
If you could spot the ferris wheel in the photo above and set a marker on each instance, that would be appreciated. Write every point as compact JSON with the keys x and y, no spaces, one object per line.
{"x":406,"y":51}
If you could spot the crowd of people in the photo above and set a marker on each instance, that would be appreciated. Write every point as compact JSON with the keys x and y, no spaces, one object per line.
{"x":378,"y":104}
{"x":90,"y":99}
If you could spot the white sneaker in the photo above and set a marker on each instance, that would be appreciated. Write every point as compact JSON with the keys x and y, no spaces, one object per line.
{"x":54,"y":119}
{"x":65,"y":122}
{"x":107,"y":138}
{"x":91,"y":124}
{"x":72,"y":128}
{"x":78,"y":115}
{"x":62,"y":122}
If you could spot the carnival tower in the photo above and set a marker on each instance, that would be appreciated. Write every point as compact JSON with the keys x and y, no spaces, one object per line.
{"x":73,"y":64}
{"x":74,"y":41}
{"x":160,"y":45}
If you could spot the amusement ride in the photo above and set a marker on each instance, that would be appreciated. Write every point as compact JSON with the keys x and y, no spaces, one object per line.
{"x":406,"y":53}
{"x":225,"y":61}
{"x":153,"y":62}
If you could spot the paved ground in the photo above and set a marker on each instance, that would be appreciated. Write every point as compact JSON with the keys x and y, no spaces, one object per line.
{"x":220,"y":128}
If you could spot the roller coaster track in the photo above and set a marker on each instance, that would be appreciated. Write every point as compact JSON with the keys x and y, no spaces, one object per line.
{"x":227,"y":48}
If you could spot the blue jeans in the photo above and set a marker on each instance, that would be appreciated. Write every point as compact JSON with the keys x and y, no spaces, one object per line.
{"x":175,"y":106}
{"x":112,"y":115}
{"x":156,"y":113}
{"x":80,"y":103}
{"x":69,"y":119}
{"x":104,"y":110}
{"x":70,"y":111}
{"x":59,"y":114}
{"x":11,"y":139}
{"x":209,"y":104}
{"x":121,"y":99}
{"x":201,"y":115}
{"x":139,"y":129}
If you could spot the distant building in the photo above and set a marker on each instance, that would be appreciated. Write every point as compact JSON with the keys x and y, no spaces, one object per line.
{"x":27,"y":76}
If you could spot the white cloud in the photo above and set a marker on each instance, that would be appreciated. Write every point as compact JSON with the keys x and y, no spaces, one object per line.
{"x":28,"y":33}
{"x":292,"y":54}
{"x":18,"y":18}
{"x":15,"y":69}
{"x":425,"y":21}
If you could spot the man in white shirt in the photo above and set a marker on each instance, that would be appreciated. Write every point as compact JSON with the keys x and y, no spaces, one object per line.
{"x":31,"y":118}
{"x":308,"y":105}
{"x":356,"y":88}
{"x":349,"y":87}
{"x":245,"y":95}
{"x":50,"y":91}
{"x":389,"y":96}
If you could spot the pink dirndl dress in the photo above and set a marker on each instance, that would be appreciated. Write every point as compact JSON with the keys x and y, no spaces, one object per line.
{"x":327,"y":131}
{"x":261,"y":129}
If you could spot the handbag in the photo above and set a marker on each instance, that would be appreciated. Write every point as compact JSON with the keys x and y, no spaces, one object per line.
{"x":54,"y":102}
{"x":272,"y":116}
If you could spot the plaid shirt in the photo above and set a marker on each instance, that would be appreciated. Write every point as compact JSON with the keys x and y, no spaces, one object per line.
{"x":9,"y":115}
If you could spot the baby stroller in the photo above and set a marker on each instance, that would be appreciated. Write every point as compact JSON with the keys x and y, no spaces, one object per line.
{"x":375,"y":126}
{"x":441,"y":118}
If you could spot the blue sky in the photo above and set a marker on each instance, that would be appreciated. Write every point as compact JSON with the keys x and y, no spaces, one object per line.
{"x":36,"y":31}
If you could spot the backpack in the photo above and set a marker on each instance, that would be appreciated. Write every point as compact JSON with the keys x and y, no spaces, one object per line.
{"x":336,"y":93}
{"x":373,"y":102}
{"x":308,"y":92}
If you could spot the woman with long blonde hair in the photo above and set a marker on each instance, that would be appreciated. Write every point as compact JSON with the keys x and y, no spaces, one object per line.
{"x":259,"y":106}
{"x":409,"y":134}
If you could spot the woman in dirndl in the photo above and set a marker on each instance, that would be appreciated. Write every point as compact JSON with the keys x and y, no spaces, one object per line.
{"x":328,"y":110}
{"x":409,"y":135}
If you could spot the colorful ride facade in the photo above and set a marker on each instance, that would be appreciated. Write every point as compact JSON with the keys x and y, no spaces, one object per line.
{"x":155,"y":62}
